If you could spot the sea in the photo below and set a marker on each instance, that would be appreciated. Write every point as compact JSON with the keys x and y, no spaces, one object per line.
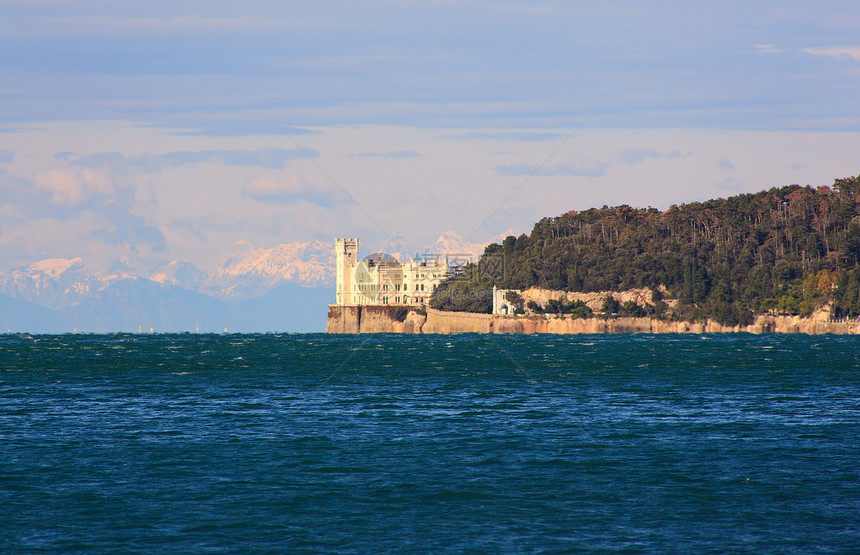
{"x":314,"y":443}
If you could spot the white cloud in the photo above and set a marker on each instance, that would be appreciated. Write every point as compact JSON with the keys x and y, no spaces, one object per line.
{"x":769,"y":48}
{"x":197,"y":211}
{"x":580,"y":167}
{"x":632,"y":156}
{"x":275,"y":158}
{"x":73,"y":187}
{"x":270,"y":185}
{"x":837,"y":52}
{"x":391,"y":154}
{"x":517,"y":136}
{"x":290,"y":189}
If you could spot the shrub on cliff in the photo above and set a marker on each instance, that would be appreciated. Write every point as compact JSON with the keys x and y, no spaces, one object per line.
{"x":610,"y":305}
{"x":399,"y":312}
{"x":534,"y":307}
{"x":630,"y":308}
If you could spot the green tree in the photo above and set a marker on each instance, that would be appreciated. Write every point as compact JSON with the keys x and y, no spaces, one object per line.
{"x":610,"y":305}
{"x":723,"y":258}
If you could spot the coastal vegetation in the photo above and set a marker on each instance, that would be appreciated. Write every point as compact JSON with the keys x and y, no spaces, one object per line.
{"x":787,"y":250}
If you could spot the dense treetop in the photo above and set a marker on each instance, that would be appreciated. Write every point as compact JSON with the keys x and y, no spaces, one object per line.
{"x":787,"y":249}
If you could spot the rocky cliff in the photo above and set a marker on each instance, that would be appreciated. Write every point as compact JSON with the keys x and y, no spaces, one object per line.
{"x":378,"y":319}
{"x":594,"y":300}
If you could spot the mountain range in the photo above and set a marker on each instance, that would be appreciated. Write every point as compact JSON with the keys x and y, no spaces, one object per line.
{"x":282,"y":289}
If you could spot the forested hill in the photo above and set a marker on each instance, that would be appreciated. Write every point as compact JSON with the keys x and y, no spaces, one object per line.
{"x":790,"y":249}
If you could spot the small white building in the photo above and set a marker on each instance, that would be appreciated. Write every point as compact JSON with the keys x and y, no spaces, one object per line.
{"x":500,"y":304}
{"x":384,"y":280}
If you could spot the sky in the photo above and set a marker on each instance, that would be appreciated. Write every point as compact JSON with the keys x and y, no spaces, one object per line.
{"x":141,"y":132}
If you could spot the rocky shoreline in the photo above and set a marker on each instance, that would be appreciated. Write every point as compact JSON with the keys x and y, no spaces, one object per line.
{"x":382,"y":319}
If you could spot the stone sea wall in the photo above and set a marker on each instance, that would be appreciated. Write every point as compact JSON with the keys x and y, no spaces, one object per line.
{"x":380,"y":319}
{"x":371,"y":319}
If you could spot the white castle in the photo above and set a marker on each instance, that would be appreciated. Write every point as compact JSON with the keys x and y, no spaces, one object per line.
{"x":383,"y":280}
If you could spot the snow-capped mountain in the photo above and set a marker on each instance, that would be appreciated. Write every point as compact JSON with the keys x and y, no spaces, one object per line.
{"x":53,"y":283}
{"x":257,"y":271}
{"x":449,"y":243}
{"x":285,"y":288}
{"x":180,"y":273}
{"x":59,"y":282}
{"x":396,"y":246}
{"x":279,"y":288}
{"x":453,"y":244}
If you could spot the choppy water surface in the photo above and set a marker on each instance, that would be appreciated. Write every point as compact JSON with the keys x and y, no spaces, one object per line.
{"x":188,"y":443}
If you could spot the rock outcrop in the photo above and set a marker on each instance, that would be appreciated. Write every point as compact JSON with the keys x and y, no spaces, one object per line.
{"x":594,"y":300}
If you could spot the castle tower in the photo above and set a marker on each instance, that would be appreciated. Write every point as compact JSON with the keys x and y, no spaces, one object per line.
{"x":346,"y":252}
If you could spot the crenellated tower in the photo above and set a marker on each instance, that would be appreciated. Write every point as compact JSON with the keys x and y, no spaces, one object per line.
{"x":346,"y":252}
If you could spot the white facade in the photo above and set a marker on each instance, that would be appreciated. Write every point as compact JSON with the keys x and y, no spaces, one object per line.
{"x":500,"y":304}
{"x":381,"y":282}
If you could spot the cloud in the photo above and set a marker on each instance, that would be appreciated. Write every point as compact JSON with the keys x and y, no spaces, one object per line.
{"x":288,"y":189}
{"x":132,"y":231}
{"x":508,"y":136}
{"x":769,"y":48}
{"x":71,"y":188}
{"x":582,"y":167}
{"x":17,"y":191}
{"x":81,"y":198}
{"x":274,"y":158}
{"x":632,"y":156}
{"x":182,"y":24}
{"x":227,"y":125}
{"x":837,"y":52}
{"x":852,"y":52}
{"x":6,"y":156}
{"x":585,"y":166}
{"x":67,"y":155}
{"x":125,"y":228}
{"x":725,"y":164}
{"x":391,"y":154}
{"x":100,"y":160}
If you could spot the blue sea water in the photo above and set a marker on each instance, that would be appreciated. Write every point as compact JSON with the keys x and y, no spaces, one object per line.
{"x":469,"y":443}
